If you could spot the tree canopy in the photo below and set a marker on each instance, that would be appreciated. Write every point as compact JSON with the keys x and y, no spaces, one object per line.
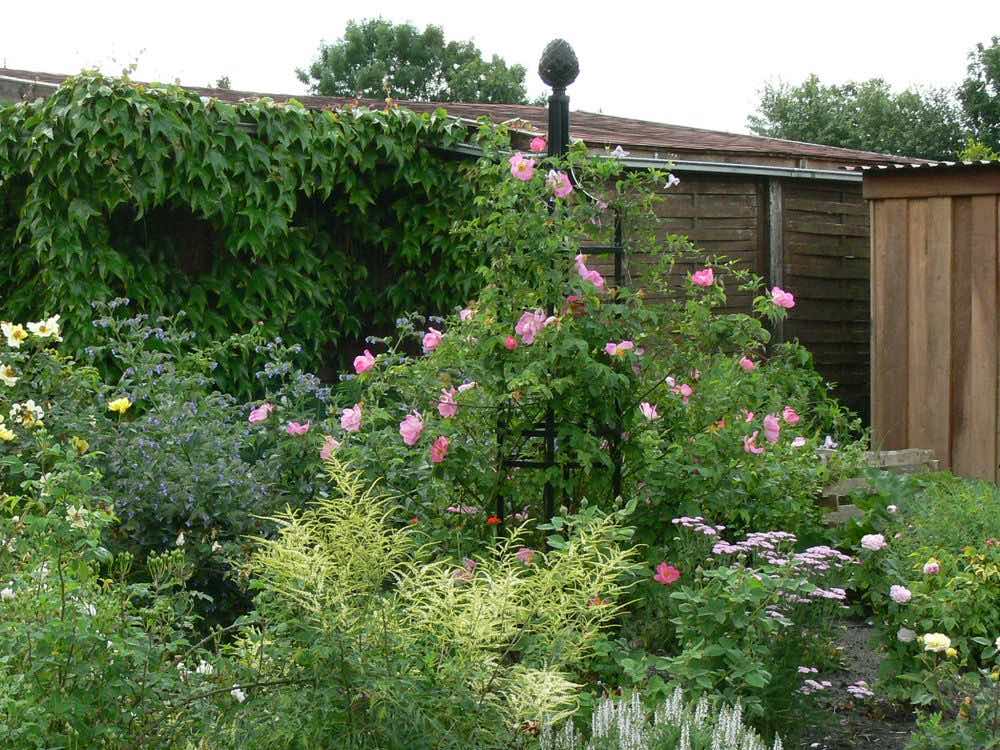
{"x":868,"y":116}
{"x":980,"y":94}
{"x":377,"y":58}
{"x":945,"y":123}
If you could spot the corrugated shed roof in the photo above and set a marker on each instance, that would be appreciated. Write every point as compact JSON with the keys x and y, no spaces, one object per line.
{"x":924,"y":166}
{"x":593,"y":128}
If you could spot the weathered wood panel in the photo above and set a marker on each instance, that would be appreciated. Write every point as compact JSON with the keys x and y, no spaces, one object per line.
{"x":937,"y":386}
{"x":826,"y":266}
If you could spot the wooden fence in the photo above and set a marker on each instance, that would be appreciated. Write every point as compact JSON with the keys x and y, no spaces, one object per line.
{"x":935,"y":326}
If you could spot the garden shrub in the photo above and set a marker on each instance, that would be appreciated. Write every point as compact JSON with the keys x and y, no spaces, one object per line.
{"x":363,"y":639}
{"x":315,"y":224}
{"x":933,"y":567}
{"x":87,"y":658}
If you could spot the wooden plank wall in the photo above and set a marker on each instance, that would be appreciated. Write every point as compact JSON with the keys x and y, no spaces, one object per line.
{"x":826,"y":266}
{"x":811,"y":237}
{"x":719,"y":216}
{"x":935,"y":282}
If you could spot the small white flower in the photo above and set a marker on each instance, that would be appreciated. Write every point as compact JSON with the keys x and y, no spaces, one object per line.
{"x":829,"y":443}
{"x":180,"y":539}
{"x":7,"y":375}
{"x":238,"y":694}
{"x":77,"y":517}
{"x":997,"y":643}
{"x":205,"y":668}
{"x":905,"y":635}
{"x":892,"y":509}
{"x":48,"y":328}
{"x":619,"y":152}
{"x":89,"y":609}
{"x":7,"y":594}
{"x":216,"y":547}
{"x":672,"y":181}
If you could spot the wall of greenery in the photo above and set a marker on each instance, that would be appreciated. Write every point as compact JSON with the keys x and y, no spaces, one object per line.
{"x":318,"y":225}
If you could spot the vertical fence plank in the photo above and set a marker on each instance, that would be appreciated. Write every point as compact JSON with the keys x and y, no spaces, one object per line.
{"x":983,"y":342}
{"x":935,"y":403}
{"x":962,"y":408}
{"x":890,"y":318}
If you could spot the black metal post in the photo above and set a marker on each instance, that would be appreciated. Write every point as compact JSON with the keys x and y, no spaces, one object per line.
{"x":558,"y":68}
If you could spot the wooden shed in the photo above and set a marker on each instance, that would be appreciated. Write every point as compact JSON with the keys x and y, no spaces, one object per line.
{"x":789,"y":211}
{"x":935,"y":242}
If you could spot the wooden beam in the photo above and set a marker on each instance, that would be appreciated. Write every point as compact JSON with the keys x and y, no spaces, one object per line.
{"x":776,"y":244}
{"x":933,"y":183}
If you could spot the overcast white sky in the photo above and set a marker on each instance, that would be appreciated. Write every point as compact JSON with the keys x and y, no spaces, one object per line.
{"x":696,"y":63}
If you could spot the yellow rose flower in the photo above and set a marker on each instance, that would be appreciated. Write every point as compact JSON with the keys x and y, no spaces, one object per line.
{"x":936,"y":642}
{"x":80,"y":444}
{"x":951,"y":653}
{"x":120,"y":405}
{"x":6,"y":435}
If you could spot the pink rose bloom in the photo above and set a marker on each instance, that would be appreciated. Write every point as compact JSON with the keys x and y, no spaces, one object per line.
{"x":620,"y":348}
{"x":748,"y":416}
{"x":750,"y":444}
{"x":648,"y":411}
{"x":705,"y":277}
{"x":538,"y":144}
{"x":432,"y":340}
{"x":790,"y":416}
{"x":467,"y":386}
{"x":330,"y":444}
{"x":782,"y":298}
{"x":260,"y":413}
{"x":465,"y":315}
{"x":748,"y":364}
{"x":559,"y":183}
{"x":594,"y":277}
{"x":447,"y":407}
{"x":297,"y":428}
{"x":684,"y":391}
{"x":900,"y":594}
{"x":526,"y":555}
{"x":522,"y":168}
{"x":439,"y":449}
{"x":798,"y":442}
{"x":772,"y":428}
{"x":932,"y":567}
{"x":529,"y":325}
{"x":873,"y":542}
{"x":510,"y":343}
{"x":411,"y":428}
{"x":350,"y":420}
{"x":666,"y":574}
{"x":364,"y":362}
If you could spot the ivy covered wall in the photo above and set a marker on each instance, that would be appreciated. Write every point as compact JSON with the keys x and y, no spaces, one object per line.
{"x":323,"y":226}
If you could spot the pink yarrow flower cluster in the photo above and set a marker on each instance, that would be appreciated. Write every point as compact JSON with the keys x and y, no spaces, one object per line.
{"x":330,"y":444}
{"x":698,"y":525}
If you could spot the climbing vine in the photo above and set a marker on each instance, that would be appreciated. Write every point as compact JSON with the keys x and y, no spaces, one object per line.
{"x":315,"y":224}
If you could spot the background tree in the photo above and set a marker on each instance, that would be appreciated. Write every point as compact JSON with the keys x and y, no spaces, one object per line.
{"x":980,"y":94}
{"x":865,"y":115}
{"x":377,"y":58}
